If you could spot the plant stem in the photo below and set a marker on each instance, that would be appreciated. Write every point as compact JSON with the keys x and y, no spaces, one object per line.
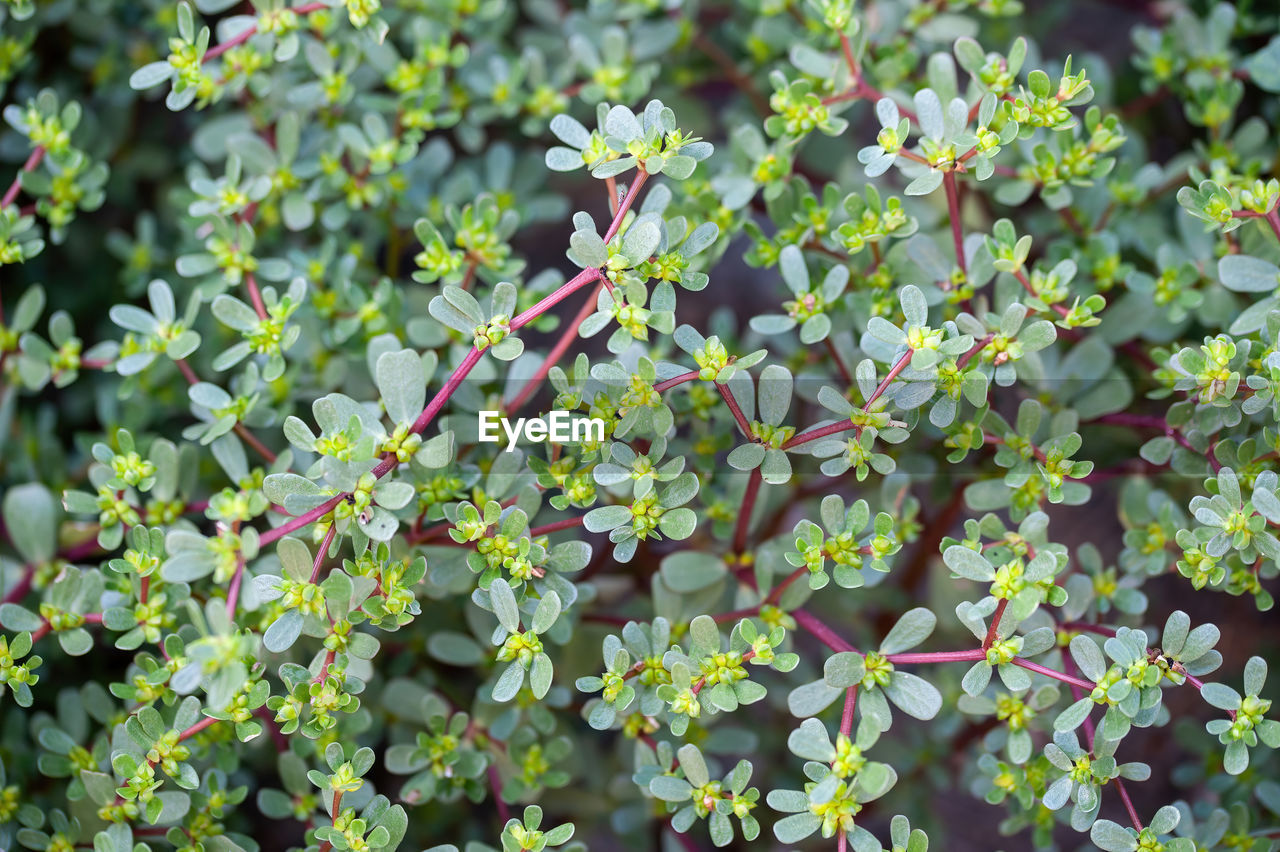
{"x":233,"y":591}
{"x":844,"y":426}
{"x":1128,"y":804}
{"x":775,"y":594}
{"x":336,"y":803}
{"x":567,"y":523}
{"x":37,"y":154}
{"x":993,"y":632}
{"x":741,"y":418}
{"x":840,"y":365}
{"x":252,"y":440}
{"x":1026,"y":285}
{"x":938,"y":656}
{"x":556,"y":353}
{"x":495,"y":784}
{"x":1273,"y":219}
{"x":820,"y":631}
{"x":207,"y":721}
{"x":846,"y":717}
{"x":744,"y":515}
{"x":251,"y":284}
{"x":245,"y":435}
{"x":323,"y":552}
{"x":586,"y":276}
{"x":963,"y":360}
{"x":1048,"y":672}
{"x":633,"y":192}
{"x":241,"y":37}
{"x":681,"y":379}
{"x":469,"y":362}
{"x":953,"y":209}
{"x":888,"y":379}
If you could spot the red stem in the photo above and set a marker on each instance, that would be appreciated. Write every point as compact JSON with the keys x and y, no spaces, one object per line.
{"x":963,"y":360}
{"x":681,"y":379}
{"x":1026,"y":285}
{"x":251,"y":284}
{"x":633,"y":192}
{"x":938,"y":657}
{"x":1056,"y":675}
{"x":892,"y":374}
{"x":845,"y":426}
{"x":586,"y":276}
{"x":455,"y":380}
{"x":993,"y":632}
{"x":206,"y":722}
{"x":1128,"y":804}
{"x":495,"y":784}
{"x":846,"y":717}
{"x":322,"y":552}
{"x":241,"y":37}
{"x":748,"y":505}
{"x":734,"y":408}
{"x":953,"y":208}
{"x":557,"y":352}
{"x":252,"y":440}
{"x":37,"y":154}
{"x":567,"y":523}
{"x":233,"y":591}
{"x":1273,"y":219}
{"x":820,"y":631}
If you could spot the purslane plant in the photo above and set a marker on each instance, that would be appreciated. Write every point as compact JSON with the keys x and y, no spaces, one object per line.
{"x":985,"y":333}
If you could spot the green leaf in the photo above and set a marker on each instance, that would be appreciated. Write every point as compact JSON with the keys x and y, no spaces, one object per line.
{"x":283,"y":632}
{"x":915,"y":696}
{"x":695,"y":768}
{"x":540,"y":674}
{"x":669,"y":788}
{"x":1221,"y":696}
{"x":504,"y":605}
{"x":1246,"y":274}
{"x":455,"y":648}
{"x":1112,"y":836}
{"x":796,"y":827}
{"x":588,"y":248}
{"x":18,"y":618}
{"x":678,"y":524}
{"x":1074,"y":716}
{"x":509,"y":682}
{"x":689,"y":571}
{"x":914,"y":627}
{"x":969,"y":564}
{"x":794,"y":272}
{"x":812,"y":698}
{"x":844,"y":669}
{"x":811,"y":742}
{"x":544,"y":617}
{"x":402,"y":383}
{"x":31,"y":516}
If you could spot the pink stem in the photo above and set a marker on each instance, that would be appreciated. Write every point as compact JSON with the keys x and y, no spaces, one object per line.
{"x":241,"y":37}
{"x":938,"y":657}
{"x":37,"y":154}
{"x":821,"y":632}
{"x":323,"y":552}
{"x":744,"y":515}
{"x":556,"y":526}
{"x":1048,"y":672}
{"x":953,"y":208}
{"x":681,"y":379}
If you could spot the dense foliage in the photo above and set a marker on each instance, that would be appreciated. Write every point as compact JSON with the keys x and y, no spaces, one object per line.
{"x":996,"y":389}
